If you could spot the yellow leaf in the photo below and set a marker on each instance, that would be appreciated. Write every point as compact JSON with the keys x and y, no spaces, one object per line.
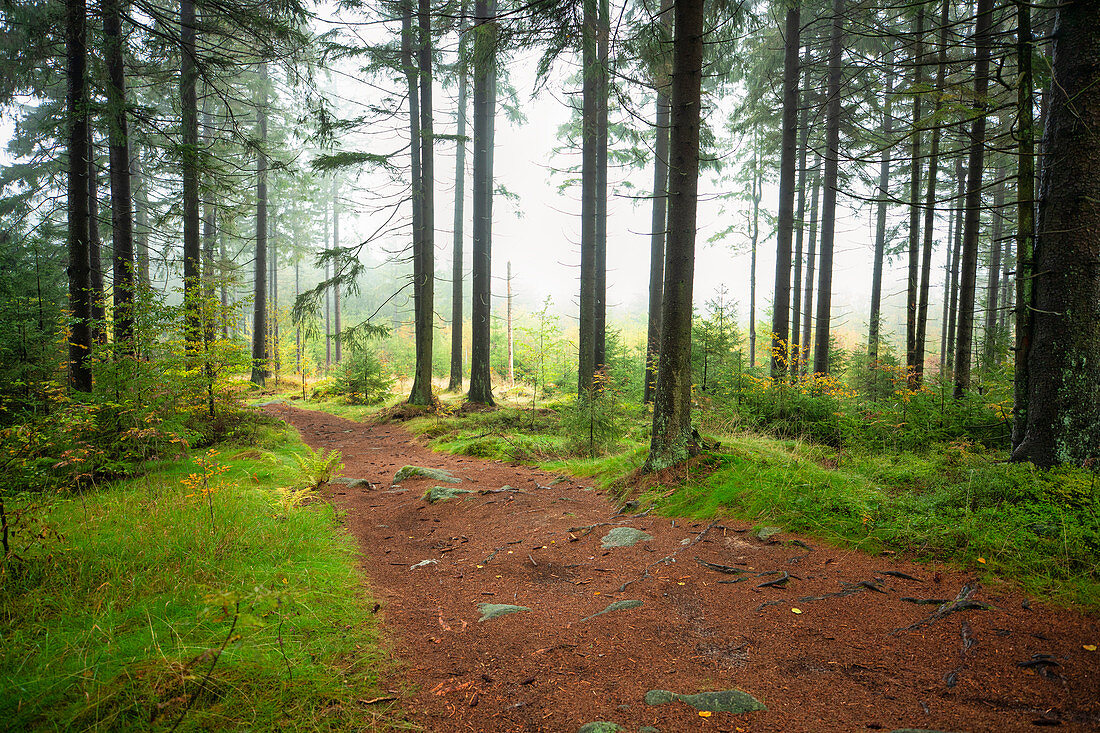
{"x":705,"y":713}
{"x":981,"y":560}
{"x":1089,"y":647}
{"x":796,"y":610}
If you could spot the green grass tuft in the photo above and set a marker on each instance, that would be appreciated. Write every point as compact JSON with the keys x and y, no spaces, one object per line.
{"x":113,"y":617}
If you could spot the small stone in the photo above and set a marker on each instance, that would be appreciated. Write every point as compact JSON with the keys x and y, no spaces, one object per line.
{"x":490,"y":611}
{"x":601,"y":726}
{"x":616,"y":606}
{"x":624,"y":537}
{"x":686,"y":541}
{"x":352,"y":483}
{"x":424,"y":564}
{"x":659,"y":697}
{"x":442,"y":493}
{"x":436,"y":474}
{"x":649,"y":729}
{"x":766,"y":533}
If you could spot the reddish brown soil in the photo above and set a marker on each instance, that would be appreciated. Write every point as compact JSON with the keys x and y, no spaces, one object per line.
{"x":839,"y":665}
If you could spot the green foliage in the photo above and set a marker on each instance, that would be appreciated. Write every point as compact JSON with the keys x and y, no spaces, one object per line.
{"x":595,"y":423}
{"x":315,"y":469}
{"x":360,"y":378}
{"x":116,"y":608}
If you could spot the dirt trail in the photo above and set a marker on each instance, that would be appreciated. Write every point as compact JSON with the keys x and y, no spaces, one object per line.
{"x":821,"y":651}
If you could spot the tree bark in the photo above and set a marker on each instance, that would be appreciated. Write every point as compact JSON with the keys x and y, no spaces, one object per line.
{"x":781,"y":303}
{"x":586,"y":338}
{"x":968,"y":275}
{"x":811,"y":259}
{"x":828,"y":205}
{"x":337,"y":308}
{"x":1025,"y":218}
{"x":424,"y":284}
{"x":122,"y":220}
{"x":993,"y":281}
{"x":671,"y":440}
{"x":754,"y":240}
{"x":189,"y":155}
{"x":797,"y":356}
{"x":599,"y":321}
{"x":481,"y":386}
{"x":1063,"y":406}
{"x":95,"y":249}
{"x":455,"y":384}
{"x":930,"y":204}
{"x":259,"y":286}
{"x":913,"y":279}
{"x":141,"y":218}
{"x":960,"y":213}
{"x":875,"y":326}
{"x":76,"y":107}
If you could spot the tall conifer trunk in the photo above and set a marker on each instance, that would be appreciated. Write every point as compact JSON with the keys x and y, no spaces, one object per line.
{"x":811,"y":261}
{"x":800,"y":227}
{"x":885,"y":159}
{"x":481,"y":387}
{"x":671,"y":434}
{"x":122,"y":222}
{"x":1063,"y":405}
{"x":337,"y":308}
{"x":424,"y":254}
{"x":189,"y":154}
{"x":781,"y":303}
{"x":455,"y":384}
{"x":913,"y":280}
{"x":76,"y":108}
{"x":828,"y":212}
{"x":969,"y":271}
{"x":599,"y":320}
{"x":95,"y":249}
{"x":1025,"y":217}
{"x":259,"y":285}
{"x":586,"y":338}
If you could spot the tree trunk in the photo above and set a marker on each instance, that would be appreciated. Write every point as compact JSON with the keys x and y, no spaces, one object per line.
{"x":122,"y":221}
{"x":960,"y":212}
{"x":658,"y":229}
{"x":481,"y":386}
{"x":930,"y":205}
{"x":424,"y":284}
{"x":273,"y":298}
{"x":914,"y":206}
{"x":947,"y":266}
{"x":993,"y":281}
{"x":599,"y":320}
{"x":781,"y":303}
{"x":337,"y":316}
{"x":189,"y":154}
{"x":259,"y":286}
{"x":800,"y":222}
{"x":586,"y":341}
{"x":209,"y":233}
{"x":1063,"y":405}
{"x":671,"y":440}
{"x":811,"y":257}
{"x":141,"y":218}
{"x":95,"y":250}
{"x":968,"y":275}
{"x":828,"y":206}
{"x":328,"y":298}
{"x":754,"y":240}
{"x":875,"y":327}
{"x":511,"y":345}
{"x":455,"y":384}
{"x":76,"y":107}
{"x":1025,"y":217}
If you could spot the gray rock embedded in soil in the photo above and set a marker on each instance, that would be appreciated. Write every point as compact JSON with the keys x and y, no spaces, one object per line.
{"x":766,"y":533}
{"x":442,"y":493}
{"x":724,"y":701}
{"x":436,"y":474}
{"x":352,"y":483}
{"x":601,"y":726}
{"x":649,"y":729}
{"x":624,"y":537}
{"x":616,"y":606}
{"x":490,"y":611}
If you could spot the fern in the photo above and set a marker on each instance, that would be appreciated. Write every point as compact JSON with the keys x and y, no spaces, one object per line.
{"x":315,"y":469}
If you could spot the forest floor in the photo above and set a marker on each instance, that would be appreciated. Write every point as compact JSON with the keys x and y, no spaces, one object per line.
{"x":827,"y":639}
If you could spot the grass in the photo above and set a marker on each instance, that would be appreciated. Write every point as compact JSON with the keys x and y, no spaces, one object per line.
{"x":147,"y":603}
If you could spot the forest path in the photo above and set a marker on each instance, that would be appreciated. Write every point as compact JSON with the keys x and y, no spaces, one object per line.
{"x":822,"y":649}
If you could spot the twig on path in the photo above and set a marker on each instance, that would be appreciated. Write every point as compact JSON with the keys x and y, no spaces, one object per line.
{"x":669,"y":559}
{"x":491,"y":556}
{"x":848,"y":590}
{"x":721,"y":568}
{"x":962,"y":602}
{"x":777,"y":583}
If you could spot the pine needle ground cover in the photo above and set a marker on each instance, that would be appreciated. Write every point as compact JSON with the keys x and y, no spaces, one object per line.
{"x":211,"y":593}
{"x":954,"y":502}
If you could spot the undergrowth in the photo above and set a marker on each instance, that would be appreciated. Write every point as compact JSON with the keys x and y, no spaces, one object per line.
{"x":196,"y":595}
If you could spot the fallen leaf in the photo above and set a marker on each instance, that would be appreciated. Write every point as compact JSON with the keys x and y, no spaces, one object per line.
{"x":705,"y":713}
{"x":981,"y":560}
{"x":1089,"y":647}
{"x":796,"y":610}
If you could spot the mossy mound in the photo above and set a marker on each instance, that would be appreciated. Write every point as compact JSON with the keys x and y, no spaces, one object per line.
{"x":624,"y":537}
{"x":436,"y":474}
{"x":723,"y":701}
{"x":491,"y":611}
{"x":442,"y":493}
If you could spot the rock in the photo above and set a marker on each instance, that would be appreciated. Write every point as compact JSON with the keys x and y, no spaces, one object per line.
{"x":601,"y":726}
{"x":616,"y":606}
{"x":424,"y":563}
{"x":724,"y":701}
{"x":353,"y":483}
{"x":766,"y":533}
{"x":442,"y":493}
{"x":624,"y":537}
{"x":649,"y":729}
{"x":490,"y":611}
{"x":436,"y":474}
